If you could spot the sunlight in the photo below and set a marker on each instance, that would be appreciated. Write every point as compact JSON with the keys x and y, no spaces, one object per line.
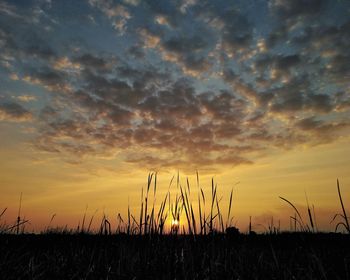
{"x":175,"y":224}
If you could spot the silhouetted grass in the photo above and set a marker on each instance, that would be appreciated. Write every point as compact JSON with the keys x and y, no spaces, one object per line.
{"x":76,"y":256}
{"x":202,"y":246}
{"x":344,"y":218}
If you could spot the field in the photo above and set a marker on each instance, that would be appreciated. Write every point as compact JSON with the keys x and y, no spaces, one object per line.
{"x":204,"y":245}
{"x":83,"y":256}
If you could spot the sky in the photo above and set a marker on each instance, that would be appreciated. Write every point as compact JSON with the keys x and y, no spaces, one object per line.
{"x":96,"y":94}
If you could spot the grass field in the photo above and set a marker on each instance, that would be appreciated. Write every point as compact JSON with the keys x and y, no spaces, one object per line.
{"x":82,"y":256}
{"x":204,"y":246}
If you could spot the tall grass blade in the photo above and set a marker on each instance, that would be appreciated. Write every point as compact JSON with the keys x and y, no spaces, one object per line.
{"x":296,"y":210}
{"x":19,"y":213}
{"x":309,"y":213}
{"x":83,"y":223}
{"x":184,"y":203}
{"x":3,"y":212}
{"x":343,"y":208}
{"x":92,"y":218}
{"x":188,"y":186}
{"x":141,"y":213}
{"x":229,"y":208}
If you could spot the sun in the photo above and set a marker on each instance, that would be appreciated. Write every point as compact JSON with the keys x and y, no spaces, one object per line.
{"x":175,"y":224}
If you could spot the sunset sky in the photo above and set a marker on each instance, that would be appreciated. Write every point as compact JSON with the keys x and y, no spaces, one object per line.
{"x":95,"y":94}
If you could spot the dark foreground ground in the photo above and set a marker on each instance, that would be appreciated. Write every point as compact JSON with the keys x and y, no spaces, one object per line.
{"x":283,"y":256}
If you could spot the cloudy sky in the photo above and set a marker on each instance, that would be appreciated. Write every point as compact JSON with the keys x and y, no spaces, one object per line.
{"x":96,"y":93}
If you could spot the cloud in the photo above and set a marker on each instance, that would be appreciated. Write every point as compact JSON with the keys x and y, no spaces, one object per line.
{"x":91,"y":61}
{"x":26,"y":98}
{"x":278,"y":67}
{"x":150,"y":40}
{"x":132,"y":2}
{"x":173,"y":120}
{"x":324,"y":131}
{"x":297,"y":96}
{"x":319,"y":126}
{"x":118,"y":14}
{"x":185,"y":44}
{"x":22,"y":32}
{"x":8,"y":10}
{"x":189,"y":53}
{"x":184,"y":83}
{"x":287,"y":8}
{"x":14,"y":112}
{"x":39,"y":50}
{"x":321,"y":103}
{"x":136,"y":52}
{"x":233,"y":27}
{"x":51,"y":79}
{"x":121,"y":111}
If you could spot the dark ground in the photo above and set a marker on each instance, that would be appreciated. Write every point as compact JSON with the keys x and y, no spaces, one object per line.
{"x":282,"y":256}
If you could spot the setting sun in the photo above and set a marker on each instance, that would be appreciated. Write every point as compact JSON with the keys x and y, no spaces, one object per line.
{"x":175,"y":226}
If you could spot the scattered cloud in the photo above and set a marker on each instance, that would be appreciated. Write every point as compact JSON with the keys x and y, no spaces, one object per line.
{"x":26,"y":98}
{"x":117,"y":13}
{"x":14,"y":112}
{"x":287,"y":8}
{"x":180,"y":84}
